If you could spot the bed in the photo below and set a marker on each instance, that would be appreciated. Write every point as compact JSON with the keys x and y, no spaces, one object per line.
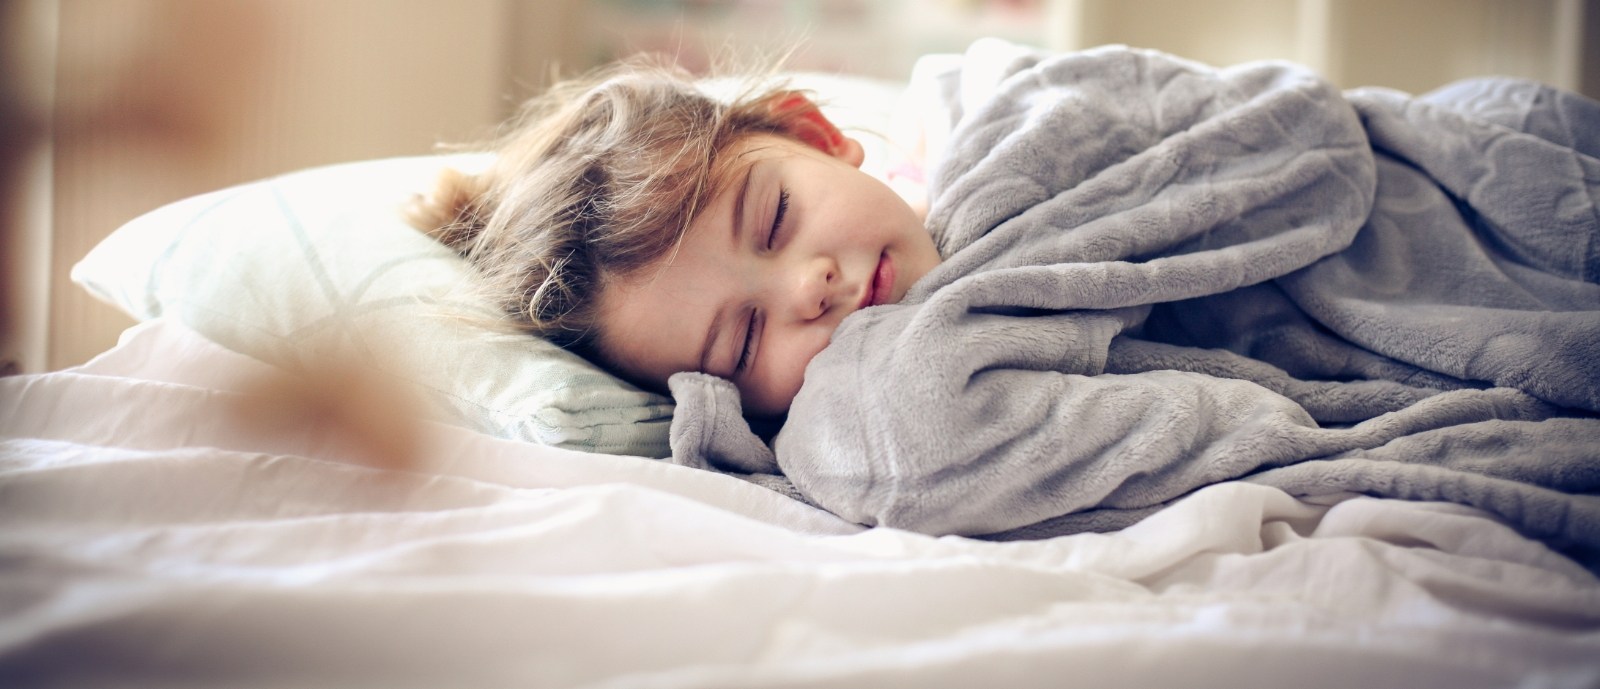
{"x":160,"y":530}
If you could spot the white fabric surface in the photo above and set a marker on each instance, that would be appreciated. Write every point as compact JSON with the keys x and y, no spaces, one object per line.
{"x":145,"y":540}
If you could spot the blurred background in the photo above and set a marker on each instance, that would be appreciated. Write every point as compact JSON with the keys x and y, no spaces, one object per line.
{"x":110,"y":108}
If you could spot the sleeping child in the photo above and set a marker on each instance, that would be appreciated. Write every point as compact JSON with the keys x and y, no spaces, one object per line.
{"x":1137,"y":276}
{"x":656,"y":229}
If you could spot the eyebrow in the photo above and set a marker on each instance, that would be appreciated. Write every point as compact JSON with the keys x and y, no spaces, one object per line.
{"x":718,"y":318}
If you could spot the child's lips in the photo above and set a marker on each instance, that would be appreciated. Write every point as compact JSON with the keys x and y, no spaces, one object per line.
{"x":880,"y":289}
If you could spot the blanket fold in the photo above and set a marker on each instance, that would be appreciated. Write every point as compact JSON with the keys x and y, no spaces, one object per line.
{"x":1159,"y":275}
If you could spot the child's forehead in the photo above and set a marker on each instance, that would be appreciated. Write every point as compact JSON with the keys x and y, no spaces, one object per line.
{"x":746,"y":152}
{"x":763,"y":146}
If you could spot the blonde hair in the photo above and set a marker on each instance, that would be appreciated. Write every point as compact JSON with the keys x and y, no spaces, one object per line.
{"x":594,"y":180}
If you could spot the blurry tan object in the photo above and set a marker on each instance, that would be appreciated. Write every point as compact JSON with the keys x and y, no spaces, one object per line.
{"x":352,"y":406}
{"x":26,"y":66}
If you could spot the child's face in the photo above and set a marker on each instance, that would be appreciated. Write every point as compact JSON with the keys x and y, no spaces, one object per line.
{"x":766,"y":272}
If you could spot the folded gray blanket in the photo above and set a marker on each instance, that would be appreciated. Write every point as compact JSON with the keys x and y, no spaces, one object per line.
{"x":1160,"y":275}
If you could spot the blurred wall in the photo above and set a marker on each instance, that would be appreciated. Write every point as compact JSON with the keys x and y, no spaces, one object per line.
{"x":1411,"y":45}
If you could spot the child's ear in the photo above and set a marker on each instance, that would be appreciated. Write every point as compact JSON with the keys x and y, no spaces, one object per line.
{"x":808,"y":124}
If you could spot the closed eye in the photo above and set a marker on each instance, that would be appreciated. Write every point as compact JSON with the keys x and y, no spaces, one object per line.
{"x":747,"y":351}
{"x":777,"y":218}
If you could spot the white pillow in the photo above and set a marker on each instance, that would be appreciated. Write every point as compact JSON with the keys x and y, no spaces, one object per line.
{"x":283,"y":269}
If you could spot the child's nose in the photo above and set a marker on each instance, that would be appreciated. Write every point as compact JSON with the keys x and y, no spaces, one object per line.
{"x":813,"y":294}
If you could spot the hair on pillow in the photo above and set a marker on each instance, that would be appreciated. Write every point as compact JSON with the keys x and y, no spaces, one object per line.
{"x":284,"y":268}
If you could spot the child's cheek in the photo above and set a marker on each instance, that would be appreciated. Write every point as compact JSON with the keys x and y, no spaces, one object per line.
{"x":800,"y":349}
{"x":908,"y":185}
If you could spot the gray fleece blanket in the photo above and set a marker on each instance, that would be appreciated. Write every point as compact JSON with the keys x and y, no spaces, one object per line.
{"x":1159,"y":275}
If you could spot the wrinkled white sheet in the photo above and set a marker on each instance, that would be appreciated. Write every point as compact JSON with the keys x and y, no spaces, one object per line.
{"x":145,"y":540}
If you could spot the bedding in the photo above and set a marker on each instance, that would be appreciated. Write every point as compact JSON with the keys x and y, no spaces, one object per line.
{"x":153,"y":535}
{"x":152,"y":540}
{"x":1160,"y":276}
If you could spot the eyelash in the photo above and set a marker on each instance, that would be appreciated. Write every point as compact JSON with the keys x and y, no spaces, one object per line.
{"x":749,"y":336}
{"x":777,"y":218}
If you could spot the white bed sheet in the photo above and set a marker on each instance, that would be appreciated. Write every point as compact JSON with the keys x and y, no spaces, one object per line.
{"x":147,"y":539}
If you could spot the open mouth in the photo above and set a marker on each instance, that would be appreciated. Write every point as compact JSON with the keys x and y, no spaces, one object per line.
{"x":879,"y":290}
